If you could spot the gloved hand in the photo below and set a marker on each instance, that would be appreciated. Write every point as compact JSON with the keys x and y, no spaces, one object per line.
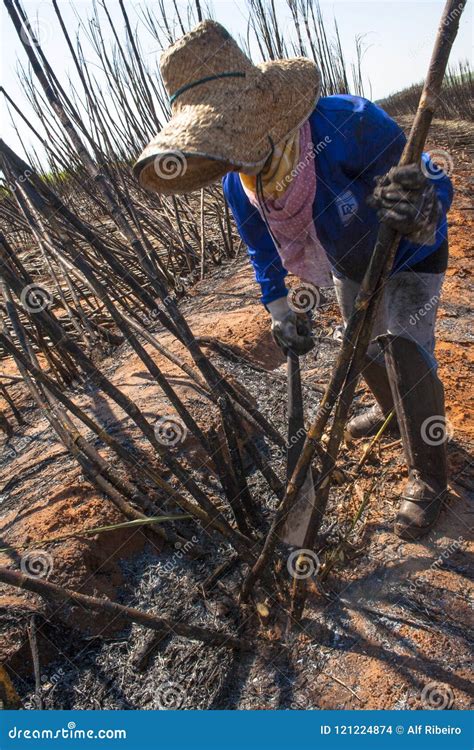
{"x":290,"y":330}
{"x":407,"y":201}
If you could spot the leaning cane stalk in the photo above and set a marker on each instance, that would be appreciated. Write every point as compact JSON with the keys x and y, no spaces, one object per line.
{"x":55,"y":593}
{"x":357,"y":334}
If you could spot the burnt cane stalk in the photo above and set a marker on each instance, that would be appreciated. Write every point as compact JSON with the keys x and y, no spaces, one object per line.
{"x":51,"y":591}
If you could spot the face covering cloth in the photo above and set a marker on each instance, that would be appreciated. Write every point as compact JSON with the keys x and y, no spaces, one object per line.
{"x":284,"y":194}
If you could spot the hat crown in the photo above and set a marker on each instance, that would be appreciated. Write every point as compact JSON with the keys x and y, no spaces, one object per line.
{"x":207,"y":50}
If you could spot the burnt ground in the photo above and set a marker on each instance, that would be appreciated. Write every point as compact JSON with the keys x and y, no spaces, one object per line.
{"x":389,"y":627}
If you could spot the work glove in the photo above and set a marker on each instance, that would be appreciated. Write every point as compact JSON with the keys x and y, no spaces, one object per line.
{"x":407,"y":201}
{"x":290,"y":330}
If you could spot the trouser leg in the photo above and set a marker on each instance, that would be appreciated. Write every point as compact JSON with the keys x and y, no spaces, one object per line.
{"x":412,"y":302}
{"x":373,"y":369}
{"x":405,"y":330}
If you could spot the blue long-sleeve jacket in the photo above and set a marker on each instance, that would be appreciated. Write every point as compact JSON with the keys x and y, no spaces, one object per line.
{"x":354,"y":141}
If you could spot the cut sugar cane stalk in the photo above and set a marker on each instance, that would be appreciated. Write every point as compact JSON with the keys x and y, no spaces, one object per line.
{"x":357,"y":334}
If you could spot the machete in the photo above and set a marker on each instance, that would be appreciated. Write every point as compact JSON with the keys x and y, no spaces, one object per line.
{"x":296,"y":523}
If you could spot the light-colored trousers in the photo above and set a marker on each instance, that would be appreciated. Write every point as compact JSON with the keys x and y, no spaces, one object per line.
{"x":408,"y":308}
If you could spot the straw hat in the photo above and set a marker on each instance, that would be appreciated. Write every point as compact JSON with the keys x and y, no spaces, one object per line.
{"x":227,"y":113}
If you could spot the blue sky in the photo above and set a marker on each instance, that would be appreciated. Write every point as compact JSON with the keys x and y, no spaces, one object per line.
{"x":399,"y":37}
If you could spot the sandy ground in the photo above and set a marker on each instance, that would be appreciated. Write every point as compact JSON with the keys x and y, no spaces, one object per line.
{"x":391,"y":627}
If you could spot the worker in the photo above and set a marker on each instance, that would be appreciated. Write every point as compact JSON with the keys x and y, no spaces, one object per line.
{"x":308,"y":179}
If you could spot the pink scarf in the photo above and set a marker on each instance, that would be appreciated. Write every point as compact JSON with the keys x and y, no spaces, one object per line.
{"x":290,"y":219}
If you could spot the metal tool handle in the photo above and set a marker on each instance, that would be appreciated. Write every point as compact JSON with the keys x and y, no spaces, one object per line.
{"x":296,"y":430}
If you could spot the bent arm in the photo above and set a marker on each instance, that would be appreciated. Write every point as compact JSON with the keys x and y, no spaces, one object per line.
{"x":268,"y":268}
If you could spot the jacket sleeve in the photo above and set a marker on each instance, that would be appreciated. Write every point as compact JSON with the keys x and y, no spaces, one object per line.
{"x":263,"y":254}
{"x":378,"y":145}
{"x":444,"y":186}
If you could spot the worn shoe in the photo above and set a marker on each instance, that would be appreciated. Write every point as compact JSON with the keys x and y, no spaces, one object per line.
{"x":420,"y":506}
{"x":369,"y":422}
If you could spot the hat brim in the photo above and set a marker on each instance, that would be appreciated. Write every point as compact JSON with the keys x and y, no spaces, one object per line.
{"x":229,"y":124}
